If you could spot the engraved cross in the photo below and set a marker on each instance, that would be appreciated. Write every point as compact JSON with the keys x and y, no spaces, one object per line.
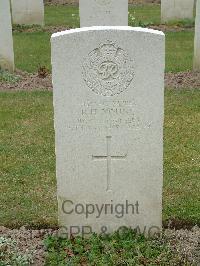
{"x":109,"y":159}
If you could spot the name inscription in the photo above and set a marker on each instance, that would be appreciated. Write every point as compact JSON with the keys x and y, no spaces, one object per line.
{"x":106,"y":115}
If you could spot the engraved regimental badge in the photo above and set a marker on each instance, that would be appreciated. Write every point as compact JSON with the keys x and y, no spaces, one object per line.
{"x":107,"y":70}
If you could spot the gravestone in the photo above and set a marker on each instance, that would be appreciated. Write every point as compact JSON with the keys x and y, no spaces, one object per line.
{"x":197,"y":38}
{"x":176,"y":9}
{"x":108,"y":106}
{"x":28,"y":12}
{"x":6,"y":40}
{"x":103,"y":13}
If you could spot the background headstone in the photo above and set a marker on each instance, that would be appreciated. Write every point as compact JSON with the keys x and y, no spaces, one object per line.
{"x":6,"y":40}
{"x":28,"y":12}
{"x":103,"y":13}
{"x":197,"y":38}
{"x":108,"y":104}
{"x":176,"y":9}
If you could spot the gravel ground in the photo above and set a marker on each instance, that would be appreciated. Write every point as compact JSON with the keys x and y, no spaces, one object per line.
{"x":185,"y":243}
{"x":28,"y":241}
{"x":181,"y":80}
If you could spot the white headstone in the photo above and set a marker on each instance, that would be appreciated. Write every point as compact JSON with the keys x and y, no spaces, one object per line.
{"x":103,"y":13}
{"x":28,"y":12}
{"x":108,"y":103}
{"x":197,"y":38}
{"x":176,"y":9}
{"x":6,"y":40}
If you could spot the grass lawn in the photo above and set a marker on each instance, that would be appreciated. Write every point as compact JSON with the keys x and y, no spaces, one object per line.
{"x":179,"y":51}
{"x":69,"y":15}
{"x":33,"y":50}
{"x":28,"y":183}
{"x":138,"y":15}
{"x":62,"y":16}
{"x":145,"y":14}
{"x":27,"y":159}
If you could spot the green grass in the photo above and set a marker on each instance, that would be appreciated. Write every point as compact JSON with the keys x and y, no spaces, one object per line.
{"x":69,"y":15}
{"x":33,"y":49}
{"x":145,"y":14}
{"x":182,"y":160}
{"x":62,"y":16}
{"x":179,"y":51}
{"x":185,"y":23}
{"x":28,"y":183}
{"x":27,"y":159}
{"x":120,"y":248}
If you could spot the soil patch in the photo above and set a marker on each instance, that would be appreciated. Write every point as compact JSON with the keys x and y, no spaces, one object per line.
{"x":54,"y":29}
{"x":181,"y":80}
{"x":49,"y":29}
{"x":28,"y":82}
{"x":170,"y":28}
{"x":76,"y":2}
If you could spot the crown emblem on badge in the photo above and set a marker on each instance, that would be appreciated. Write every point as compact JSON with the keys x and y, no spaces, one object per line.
{"x":107,"y":70}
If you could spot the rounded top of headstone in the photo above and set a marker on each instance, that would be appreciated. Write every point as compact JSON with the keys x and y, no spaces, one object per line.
{"x":107,"y":28}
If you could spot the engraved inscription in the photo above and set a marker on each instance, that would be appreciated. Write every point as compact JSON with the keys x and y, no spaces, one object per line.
{"x":107,"y":70}
{"x":106,"y":115}
{"x":103,"y":2}
{"x":108,"y":157}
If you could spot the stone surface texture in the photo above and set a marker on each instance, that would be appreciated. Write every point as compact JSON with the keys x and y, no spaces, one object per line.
{"x":28,"y":12}
{"x":197,"y":38}
{"x":108,"y":86}
{"x":103,"y":13}
{"x":6,"y":40}
{"x":176,"y":9}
